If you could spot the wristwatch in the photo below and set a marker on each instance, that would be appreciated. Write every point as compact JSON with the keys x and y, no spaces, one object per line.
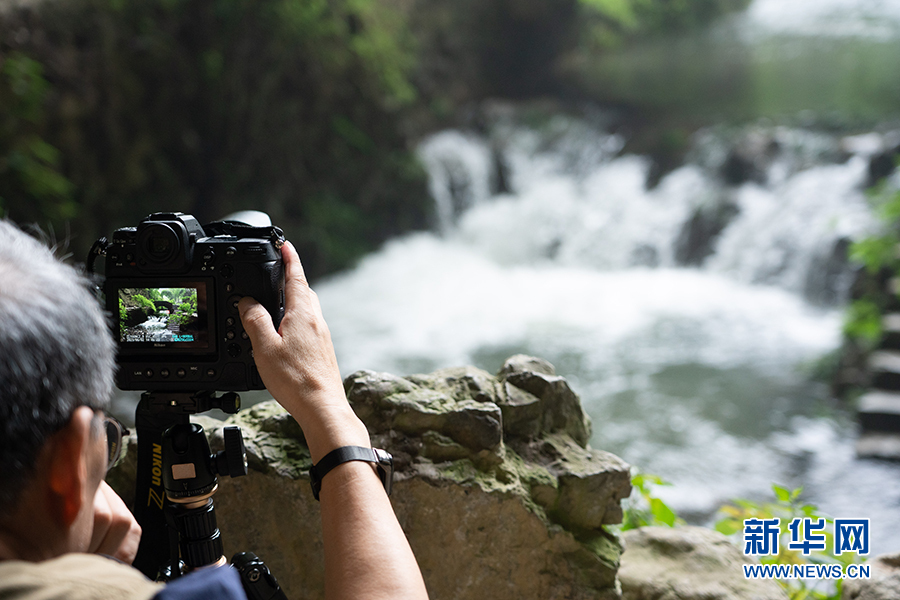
{"x":384,"y":465}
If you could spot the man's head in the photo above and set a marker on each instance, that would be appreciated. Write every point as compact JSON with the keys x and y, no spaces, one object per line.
{"x":56,"y":355}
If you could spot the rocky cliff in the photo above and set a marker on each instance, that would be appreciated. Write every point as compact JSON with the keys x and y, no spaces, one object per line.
{"x":495,"y":485}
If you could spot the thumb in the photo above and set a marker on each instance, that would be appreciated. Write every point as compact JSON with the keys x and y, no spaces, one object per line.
{"x":257,"y":323}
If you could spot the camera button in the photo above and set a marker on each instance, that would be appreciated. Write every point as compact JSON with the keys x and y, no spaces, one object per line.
{"x":229,"y":335}
{"x":245,"y":335}
{"x":229,"y":287}
{"x":164,"y":372}
{"x":210,"y":372}
{"x":229,"y":321}
{"x":227,"y":271}
{"x":148,"y":373}
{"x":234,"y":350}
{"x":181,"y":372}
{"x":209,"y":256}
{"x":233,"y":302}
{"x":230,"y":251}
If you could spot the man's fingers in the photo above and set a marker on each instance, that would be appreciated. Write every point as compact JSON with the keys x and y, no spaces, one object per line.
{"x":292,"y":266}
{"x":116,"y":533}
{"x":257,"y":323}
{"x":102,"y":519}
{"x":296,"y":287}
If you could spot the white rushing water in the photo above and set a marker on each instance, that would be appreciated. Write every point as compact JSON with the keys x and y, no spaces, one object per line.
{"x":866,"y":18}
{"x":700,"y":374}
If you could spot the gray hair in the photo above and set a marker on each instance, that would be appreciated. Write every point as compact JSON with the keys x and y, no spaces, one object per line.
{"x":56,"y":353}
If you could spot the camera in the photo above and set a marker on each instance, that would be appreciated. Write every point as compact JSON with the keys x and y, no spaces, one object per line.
{"x":172,"y":287}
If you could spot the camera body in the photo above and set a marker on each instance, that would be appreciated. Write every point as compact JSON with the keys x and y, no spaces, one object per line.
{"x":172,"y":287}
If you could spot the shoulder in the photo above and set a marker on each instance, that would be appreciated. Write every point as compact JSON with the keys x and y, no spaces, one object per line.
{"x":74,"y":577}
{"x":93,"y":577}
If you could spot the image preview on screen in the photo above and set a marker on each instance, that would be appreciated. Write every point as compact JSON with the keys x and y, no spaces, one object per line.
{"x":175,"y":316}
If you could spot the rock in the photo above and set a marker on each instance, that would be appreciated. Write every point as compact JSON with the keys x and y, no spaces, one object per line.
{"x":698,"y":235}
{"x":558,"y":408}
{"x":881,"y":166}
{"x":687,"y":563}
{"x":457,"y":404}
{"x":884,"y":583}
{"x":750,"y":158}
{"x":492,"y":508}
{"x":830,"y":275}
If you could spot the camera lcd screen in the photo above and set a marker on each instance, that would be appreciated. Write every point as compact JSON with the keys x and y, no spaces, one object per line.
{"x":164,"y":317}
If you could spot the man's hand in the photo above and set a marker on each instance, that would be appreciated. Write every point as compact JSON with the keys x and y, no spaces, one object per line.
{"x":366,"y":553}
{"x":116,"y":533}
{"x":298,"y":365}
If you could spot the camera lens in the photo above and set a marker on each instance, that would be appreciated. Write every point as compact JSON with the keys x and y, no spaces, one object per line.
{"x":159,"y":242}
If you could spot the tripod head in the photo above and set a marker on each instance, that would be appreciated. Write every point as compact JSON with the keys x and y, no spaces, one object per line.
{"x":177,"y":477}
{"x":189,"y":478}
{"x":191,"y":469}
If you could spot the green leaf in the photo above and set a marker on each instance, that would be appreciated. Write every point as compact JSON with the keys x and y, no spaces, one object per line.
{"x":729,"y":526}
{"x":863,"y":321}
{"x":782,"y":493}
{"x":662,"y":513}
{"x":875,"y":252}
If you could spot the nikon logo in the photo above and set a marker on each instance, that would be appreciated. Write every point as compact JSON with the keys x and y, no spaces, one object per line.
{"x":155,"y":496}
{"x":157,"y":465}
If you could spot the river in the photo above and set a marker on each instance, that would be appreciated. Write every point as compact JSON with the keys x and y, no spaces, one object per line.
{"x":701,"y":369}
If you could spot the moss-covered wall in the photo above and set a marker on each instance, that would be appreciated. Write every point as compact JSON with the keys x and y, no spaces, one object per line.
{"x":113,"y":110}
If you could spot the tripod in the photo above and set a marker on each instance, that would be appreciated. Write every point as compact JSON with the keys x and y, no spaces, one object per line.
{"x":176,"y":481}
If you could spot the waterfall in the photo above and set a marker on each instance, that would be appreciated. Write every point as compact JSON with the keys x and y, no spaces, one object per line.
{"x":686,"y":314}
{"x":786,"y":225}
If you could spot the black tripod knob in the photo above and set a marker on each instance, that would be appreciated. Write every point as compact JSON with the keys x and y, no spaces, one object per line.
{"x":229,"y":403}
{"x":232,"y":461}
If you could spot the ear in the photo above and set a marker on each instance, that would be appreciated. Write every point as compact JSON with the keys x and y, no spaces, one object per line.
{"x":69,"y":473}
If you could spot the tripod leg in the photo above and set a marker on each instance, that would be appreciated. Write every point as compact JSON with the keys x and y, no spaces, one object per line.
{"x":158,"y":541}
{"x":258,"y":581}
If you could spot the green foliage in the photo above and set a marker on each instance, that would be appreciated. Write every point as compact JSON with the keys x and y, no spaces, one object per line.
{"x":878,"y":253}
{"x":862,"y":322}
{"x":29,"y":166}
{"x":787,"y":506}
{"x":212,"y":106}
{"x":608,"y":23}
{"x":875,"y":252}
{"x":145,"y":303}
{"x":123,"y":315}
{"x":643,"y":508}
{"x":183,"y":313}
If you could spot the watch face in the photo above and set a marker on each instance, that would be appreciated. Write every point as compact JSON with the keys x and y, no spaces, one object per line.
{"x":383,"y":456}
{"x":385,"y":469}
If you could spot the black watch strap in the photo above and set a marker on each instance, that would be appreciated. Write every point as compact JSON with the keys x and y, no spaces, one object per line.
{"x":384,"y":464}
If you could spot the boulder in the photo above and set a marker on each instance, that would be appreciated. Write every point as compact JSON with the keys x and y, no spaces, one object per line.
{"x":687,"y":563}
{"x":884,"y":583}
{"x":495,"y":485}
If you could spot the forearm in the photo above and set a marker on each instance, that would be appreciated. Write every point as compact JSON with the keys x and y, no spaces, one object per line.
{"x":328,"y":422}
{"x":366,"y":552}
